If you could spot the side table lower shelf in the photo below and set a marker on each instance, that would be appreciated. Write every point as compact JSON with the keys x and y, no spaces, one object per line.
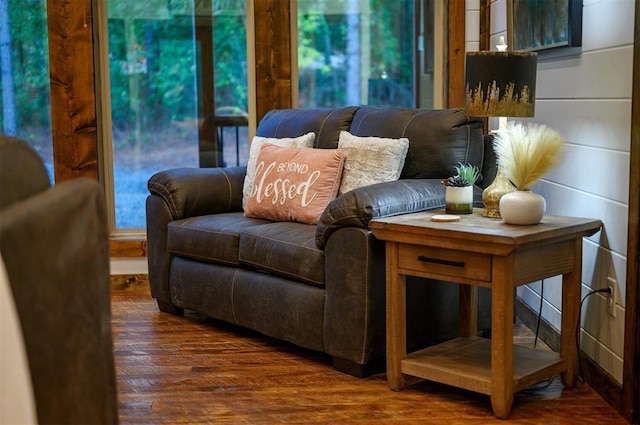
{"x":466,"y":363}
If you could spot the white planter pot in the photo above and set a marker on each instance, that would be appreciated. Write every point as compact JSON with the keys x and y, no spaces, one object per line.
{"x":459,"y":200}
{"x":522,"y":207}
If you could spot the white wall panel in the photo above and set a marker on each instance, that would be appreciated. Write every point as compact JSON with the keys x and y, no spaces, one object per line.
{"x":604,"y":357}
{"x":601,"y":172}
{"x":498,"y":17}
{"x":602,"y":74}
{"x":472,"y":25}
{"x":608,"y":330}
{"x":120,"y":265}
{"x":607,"y":23}
{"x":563,"y":201}
{"x":532,"y":299}
{"x":472,"y":5}
{"x":598,"y":264}
{"x":603,"y":123}
{"x":472,"y":46}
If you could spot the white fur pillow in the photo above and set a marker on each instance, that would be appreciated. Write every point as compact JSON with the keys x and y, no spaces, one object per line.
{"x":370,"y":160}
{"x":304,"y":141}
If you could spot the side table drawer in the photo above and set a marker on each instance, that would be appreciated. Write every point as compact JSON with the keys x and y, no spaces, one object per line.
{"x":446,"y":262}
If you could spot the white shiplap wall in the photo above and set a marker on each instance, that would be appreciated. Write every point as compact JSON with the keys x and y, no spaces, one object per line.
{"x":587,"y":98}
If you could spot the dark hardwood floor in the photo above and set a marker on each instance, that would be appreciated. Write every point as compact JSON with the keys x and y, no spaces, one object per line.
{"x":196,"y":370}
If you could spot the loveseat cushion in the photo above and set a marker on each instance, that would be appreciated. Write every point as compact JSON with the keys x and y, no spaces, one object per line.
{"x":326,"y":123}
{"x":438,"y":139}
{"x":285,"y":249}
{"x":212,"y":238}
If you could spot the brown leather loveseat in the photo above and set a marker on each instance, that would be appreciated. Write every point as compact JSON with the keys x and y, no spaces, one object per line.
{"x":317,"y":286}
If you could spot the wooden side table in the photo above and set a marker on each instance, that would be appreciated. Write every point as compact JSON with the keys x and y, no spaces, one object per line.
{"x":478,"y":251}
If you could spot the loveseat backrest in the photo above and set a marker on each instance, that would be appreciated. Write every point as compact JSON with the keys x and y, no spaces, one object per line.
{"x":326,"y":123}
{"x":439,"y":139}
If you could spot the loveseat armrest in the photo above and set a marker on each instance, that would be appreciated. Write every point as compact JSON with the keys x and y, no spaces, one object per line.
{"x":55,"y":245}
{"x":190,"y":192}
{"x":357,"y":207}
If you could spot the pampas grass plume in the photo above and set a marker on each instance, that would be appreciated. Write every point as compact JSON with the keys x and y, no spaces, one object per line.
{"x":527,"y":152}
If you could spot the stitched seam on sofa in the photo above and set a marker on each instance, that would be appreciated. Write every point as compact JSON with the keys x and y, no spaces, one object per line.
{"x":216,"y":232}
{"x":166,"y":195}
{"x":226,"y":176}
{"x":233,"y":291}
{"x":317,"y":141}
{"x":366,"y":114}
{"x":466,"y":151}
{"x":287,"y":243}
{"x":284,"y":115}
{"x":404,"y":130}
{"x":332,"y":225}
{"x":199,"y":257}
{"x":261,"y":266}
{"x":366,"y":303}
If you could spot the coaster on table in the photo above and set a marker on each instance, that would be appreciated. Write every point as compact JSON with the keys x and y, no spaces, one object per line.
{"x":445,"y":218}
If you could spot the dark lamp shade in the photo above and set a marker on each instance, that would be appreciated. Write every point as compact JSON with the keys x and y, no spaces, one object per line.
{"x":500,"y":84}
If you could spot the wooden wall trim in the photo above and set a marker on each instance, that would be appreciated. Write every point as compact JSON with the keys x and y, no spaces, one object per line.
{"x":631,"y":365}
{"x":128,"y":248}
{"x":73,"y":90}
{"x":485,"y":24}
{"x":273,"y":55}
{"x":485,"y":40}
{"x":455,"y":53}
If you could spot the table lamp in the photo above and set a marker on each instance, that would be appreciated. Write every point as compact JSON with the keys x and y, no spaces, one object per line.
{"x":500,"y":84}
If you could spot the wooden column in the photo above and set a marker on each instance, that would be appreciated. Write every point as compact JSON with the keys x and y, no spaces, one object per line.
{"x":273,"y":55}
{"x":485,"y":37}
{"x":455,"y":54}
{"x":73,"y":98}
{"x":631,"y":366}
{"x":210,"y":150}
{"x":485,"y":24}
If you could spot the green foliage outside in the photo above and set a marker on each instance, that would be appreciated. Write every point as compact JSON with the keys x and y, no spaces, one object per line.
{"x":159,"y":54}
{"x":386,"y":49}
{"x":153,"y":57}
{"x":30,"y":66}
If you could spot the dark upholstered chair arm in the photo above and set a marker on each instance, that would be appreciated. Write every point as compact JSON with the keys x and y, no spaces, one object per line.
{"x":357,"y":207}
{"x":55,"y":245}
{"x":191,"y":192}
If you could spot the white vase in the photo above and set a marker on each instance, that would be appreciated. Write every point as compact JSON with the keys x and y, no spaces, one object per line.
{"x":522,"y":207}
{"x":459,"y":200}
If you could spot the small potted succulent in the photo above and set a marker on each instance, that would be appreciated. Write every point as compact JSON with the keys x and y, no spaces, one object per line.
{"x":459,"y":189}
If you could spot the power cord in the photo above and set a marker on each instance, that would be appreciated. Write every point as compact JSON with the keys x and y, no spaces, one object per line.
{"x":535,"y":341}
{"x":548,"y":382}
{"x":603,"y":290}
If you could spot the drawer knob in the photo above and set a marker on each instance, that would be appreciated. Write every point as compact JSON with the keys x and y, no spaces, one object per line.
{"x":441,"y":261}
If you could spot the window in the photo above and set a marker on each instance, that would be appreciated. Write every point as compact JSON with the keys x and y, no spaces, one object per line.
{"x":178,"y":93}
{"x":24,"y":55}
{"x":356,"y":52}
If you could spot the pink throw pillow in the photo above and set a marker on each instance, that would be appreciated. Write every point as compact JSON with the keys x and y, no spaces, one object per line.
{"x":294,"y":184}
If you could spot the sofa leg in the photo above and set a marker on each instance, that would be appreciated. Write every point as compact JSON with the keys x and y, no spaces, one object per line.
{"x":167,"y":307}
{"x":359,"y":370}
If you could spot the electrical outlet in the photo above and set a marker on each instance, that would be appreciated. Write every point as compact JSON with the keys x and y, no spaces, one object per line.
{"x":612,"y":296}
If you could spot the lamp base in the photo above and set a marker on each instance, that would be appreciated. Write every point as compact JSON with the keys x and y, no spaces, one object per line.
{"x":492,"y":194}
